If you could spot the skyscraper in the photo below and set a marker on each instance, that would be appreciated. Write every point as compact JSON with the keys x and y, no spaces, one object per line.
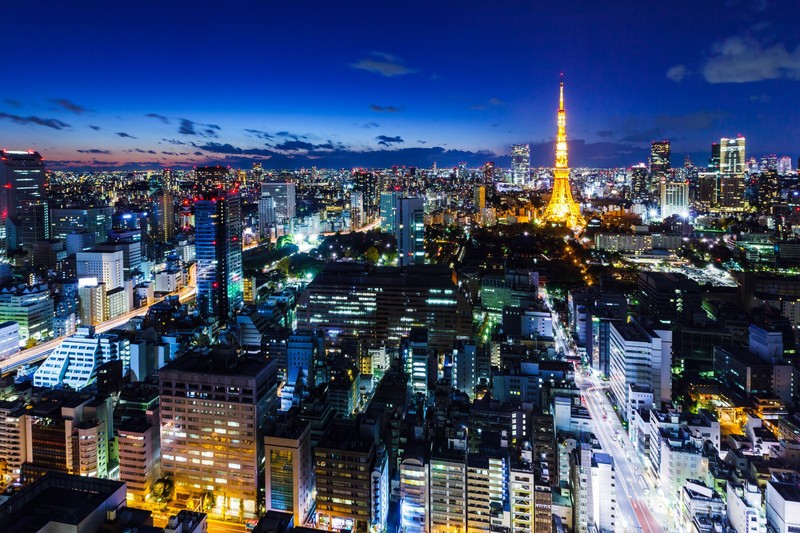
{"x":562,"y":207}
{"x":674,"y":199}
{"x":410,"y":231}
{"x":211,"y":178}
{"x":732,"y":156}
{"x":659,"y":162}
{"x":388,"y":210}
{"x":165,"y":207}
{"x":521,"y":164}
{"x":713,"y":162}
{"x":218,"y":245}
{"x":266,"y":215}
{"x":638,"y":177}
{"x":369,"y":185}
{"x":284,"y":195}
{"x":21,"y":184}
{"x":213,"y":441}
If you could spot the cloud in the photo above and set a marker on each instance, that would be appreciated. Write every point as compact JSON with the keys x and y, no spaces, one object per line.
{"x":491,"y":102}
{"x":94,"y":151}
{"x":140,"y":151}
{"x":162,"y":118}
{"x":70,"y":106}
{"x":260,"y":134}
{"x":645,"y":130}
{"x":383,"y":64}
{"x":369,"y":125}
{"x":124,"y":135}
{"x":95,"y":128}
{"x":16,"y":104}
{"x":189,"y":127}
{"x":677,"y":73}
{"x":422,"y":142}
{"x":384,"y":140}
{"x":604,"y":134}
{"x":385,"y":109}
{"x":292,"y":146}
{"x":174,"y":141}
{"x":743,"y":59}
{"x":46,"y":122}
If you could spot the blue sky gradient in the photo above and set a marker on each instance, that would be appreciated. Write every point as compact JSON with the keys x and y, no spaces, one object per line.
{"x":344,"y":84}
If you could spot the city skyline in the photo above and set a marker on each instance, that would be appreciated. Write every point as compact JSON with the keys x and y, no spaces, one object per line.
{"x":360,"y":86}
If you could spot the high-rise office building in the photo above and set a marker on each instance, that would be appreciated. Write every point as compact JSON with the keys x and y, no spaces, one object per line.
{"x":218,"y":246}
{"x":659,"y":161}
{"x":344,"y":466}
{"x":285,"y":197}
{"x":642,"y":358}
{"x":732,"y":156}
{"x":289,"y":471}
{"x":107,"y":267}
{"x":266,"y":215}
{"x":478,"y":198}
{"x":221,"y":399}
{"x":410,"y":231}
{"x":165,"y":209}
{"x":674,"y":199}
{"x":488,"y":172}
{"x":369,"y":185}
{"x":639,"y":185}
{"x":22,"y":177}
{"x":380,"y":305}
{"x":714,"y":160}
{"x":209,"y":179}
{"x":520,"y":164}
{"x":96,"y":220}
{"x":32,"y":224}
{"x":358,"y":214}
{"x":31,"y":308}
{"x":389,"y":210}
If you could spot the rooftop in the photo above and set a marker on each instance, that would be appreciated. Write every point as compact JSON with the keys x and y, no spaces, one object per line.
{"x":62,"y":497}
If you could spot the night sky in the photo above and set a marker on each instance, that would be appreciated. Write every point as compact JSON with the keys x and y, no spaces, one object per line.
{"x":350,"y":83}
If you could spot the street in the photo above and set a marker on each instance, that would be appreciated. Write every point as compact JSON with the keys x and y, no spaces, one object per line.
{"x":40,"y":352}
{"x":633,"y":508}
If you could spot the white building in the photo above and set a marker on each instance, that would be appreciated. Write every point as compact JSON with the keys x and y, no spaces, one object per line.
{"x":74,"y":362}
{"x":674,"y":199}
{"x":106,"y":267}
{"x":639,"y":357}
{"x":783,"y":507}
{"x":745,"y":511}
{"x":9,"y":339}
{"x":414,"y":492}
{"x":594,"y":480}
{"x":699,"y":500}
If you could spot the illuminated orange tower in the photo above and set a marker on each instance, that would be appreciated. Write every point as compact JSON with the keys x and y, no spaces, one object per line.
{"x":562,"y":207}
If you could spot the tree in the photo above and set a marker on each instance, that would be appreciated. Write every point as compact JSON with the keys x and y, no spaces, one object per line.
{"x":283,"y":266}
{"x":372,"y":255}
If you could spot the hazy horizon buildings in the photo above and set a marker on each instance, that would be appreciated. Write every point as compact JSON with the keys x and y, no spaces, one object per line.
{"x":284,"y":194}
{"x":520,"y":164}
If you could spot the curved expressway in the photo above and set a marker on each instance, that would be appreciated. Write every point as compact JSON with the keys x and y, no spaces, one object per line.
{"x":40,"y":352}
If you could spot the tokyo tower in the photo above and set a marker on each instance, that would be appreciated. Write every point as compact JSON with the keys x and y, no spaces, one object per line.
{"x":562,"y":207}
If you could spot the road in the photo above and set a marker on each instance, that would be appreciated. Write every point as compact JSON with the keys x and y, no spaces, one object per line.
{"x":633,"y":503}
{"x":630,"y":501}
{"x":40,"y":352}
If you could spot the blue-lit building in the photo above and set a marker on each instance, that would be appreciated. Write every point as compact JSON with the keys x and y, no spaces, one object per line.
{"x":218,"y":246}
